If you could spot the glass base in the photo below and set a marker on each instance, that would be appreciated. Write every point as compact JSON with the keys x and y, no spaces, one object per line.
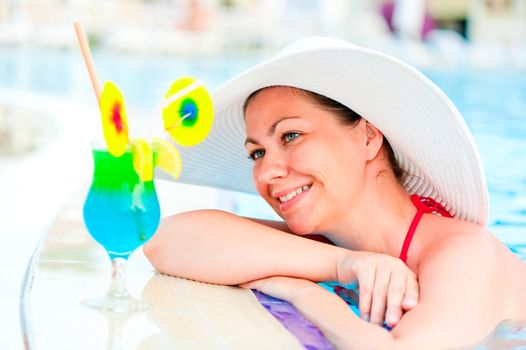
{"x":117,"y":304}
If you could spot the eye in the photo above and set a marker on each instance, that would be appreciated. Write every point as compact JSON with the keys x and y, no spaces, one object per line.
{"x":256,"y":154}
{"x":289,"y":136}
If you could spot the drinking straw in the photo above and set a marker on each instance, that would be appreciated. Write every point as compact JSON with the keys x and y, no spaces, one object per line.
{"x":86,"y":53}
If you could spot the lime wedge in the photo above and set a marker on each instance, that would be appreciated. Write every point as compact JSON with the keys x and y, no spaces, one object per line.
{"x":167,"y":157}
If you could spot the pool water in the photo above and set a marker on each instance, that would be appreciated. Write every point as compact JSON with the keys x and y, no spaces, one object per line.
{"x":492,"y":102}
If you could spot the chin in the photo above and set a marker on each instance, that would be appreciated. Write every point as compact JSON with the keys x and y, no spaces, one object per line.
{"x":297,"y":226}
{"x":299,"y":229}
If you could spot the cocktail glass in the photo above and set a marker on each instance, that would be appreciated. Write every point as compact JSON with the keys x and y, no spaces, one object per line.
{"x":121,"y":212}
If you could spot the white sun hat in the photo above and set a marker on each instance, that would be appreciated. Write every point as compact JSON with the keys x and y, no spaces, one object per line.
{"x":429,"y":137}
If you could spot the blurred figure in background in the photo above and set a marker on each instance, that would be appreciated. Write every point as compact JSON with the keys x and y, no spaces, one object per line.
{"x":197,"y":16}
{"x":408,"y":19}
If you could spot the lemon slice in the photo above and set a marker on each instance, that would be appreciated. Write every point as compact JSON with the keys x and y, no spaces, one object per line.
{"x":114,"y":122}
{"x":167,"y":157}
{"x":142,"y":159}
{"x":188,"y":113}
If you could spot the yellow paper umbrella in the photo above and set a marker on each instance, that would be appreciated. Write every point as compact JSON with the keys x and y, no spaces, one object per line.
{"x":188,"y":113}
{"x":114,"y":122}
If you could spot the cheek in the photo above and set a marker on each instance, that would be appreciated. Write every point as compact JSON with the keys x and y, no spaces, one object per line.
{"x":261,"y":188}
{"x":342,"y":166}
{"x":322,"y":161}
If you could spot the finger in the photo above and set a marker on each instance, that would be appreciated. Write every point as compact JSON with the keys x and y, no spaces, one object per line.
{"x":411,"y":294}
{"x":395,"y":294}
{"x":366,"y":278}
{"x":379,"y":302}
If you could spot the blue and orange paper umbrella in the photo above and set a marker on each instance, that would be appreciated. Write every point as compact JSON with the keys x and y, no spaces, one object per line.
{"x":188,"y":113}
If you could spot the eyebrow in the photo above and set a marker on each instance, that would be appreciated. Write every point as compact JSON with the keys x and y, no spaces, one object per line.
{"x":271,"y":130}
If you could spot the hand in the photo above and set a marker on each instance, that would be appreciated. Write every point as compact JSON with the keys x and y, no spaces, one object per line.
{"x":387,"y":286}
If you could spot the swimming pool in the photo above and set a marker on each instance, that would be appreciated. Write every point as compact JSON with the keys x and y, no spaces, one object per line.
{"x":492,"y":102}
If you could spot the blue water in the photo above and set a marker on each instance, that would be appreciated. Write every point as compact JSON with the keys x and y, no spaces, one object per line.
{"x":492,"y":102}
{"x":143,"y":78}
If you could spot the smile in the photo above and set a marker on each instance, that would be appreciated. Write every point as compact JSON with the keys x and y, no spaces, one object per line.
{"x":293,"y":193}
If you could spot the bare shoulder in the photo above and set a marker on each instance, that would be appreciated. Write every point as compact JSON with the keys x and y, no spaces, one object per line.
{"x":470,"y":258}
{"x":469,"y":281}
{"x":461,"y":242}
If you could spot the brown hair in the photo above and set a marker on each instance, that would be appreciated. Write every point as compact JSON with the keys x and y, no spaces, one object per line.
{"x":346,"y":115}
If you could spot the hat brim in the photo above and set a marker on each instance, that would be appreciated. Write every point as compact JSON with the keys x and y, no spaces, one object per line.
{"x":431,"y":141}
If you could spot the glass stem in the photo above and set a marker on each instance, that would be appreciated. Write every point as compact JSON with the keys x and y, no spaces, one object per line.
{"x":118,"y":280}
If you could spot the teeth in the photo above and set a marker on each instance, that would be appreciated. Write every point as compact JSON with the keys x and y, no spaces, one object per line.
{"x":293,"y":193}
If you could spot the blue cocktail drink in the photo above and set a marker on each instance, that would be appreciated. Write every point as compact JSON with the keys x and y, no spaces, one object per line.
{"x":121,"y":212}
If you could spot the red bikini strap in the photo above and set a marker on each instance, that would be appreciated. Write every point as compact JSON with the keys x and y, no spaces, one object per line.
{"x":423,"y":205}
{"x":429,"y":205}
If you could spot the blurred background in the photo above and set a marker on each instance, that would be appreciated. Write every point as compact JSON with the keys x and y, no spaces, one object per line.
{"x":475,"y":50}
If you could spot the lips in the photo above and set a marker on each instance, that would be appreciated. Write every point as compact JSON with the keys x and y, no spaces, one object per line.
{"x":287,"y":197}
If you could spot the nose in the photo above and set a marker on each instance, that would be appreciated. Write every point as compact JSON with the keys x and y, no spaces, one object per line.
{"x":270,"y":168}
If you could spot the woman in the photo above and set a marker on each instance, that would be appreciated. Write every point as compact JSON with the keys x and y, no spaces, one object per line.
{"x":339,"y":137}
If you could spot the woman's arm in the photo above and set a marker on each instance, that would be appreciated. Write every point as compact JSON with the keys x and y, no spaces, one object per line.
{"x":218,"y":247}
{"x":282,"y":226}
{"x":328,"y":312}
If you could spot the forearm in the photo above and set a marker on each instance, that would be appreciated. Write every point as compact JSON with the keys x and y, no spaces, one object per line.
{"x":219,"y":247}
{"x":340,"y":325}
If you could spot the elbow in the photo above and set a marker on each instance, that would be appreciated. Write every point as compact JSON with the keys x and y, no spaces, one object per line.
{"x":149,"y":249}
{"x":153,"y":250}
{"x":157,"y":248}
{"x":171,"y":249}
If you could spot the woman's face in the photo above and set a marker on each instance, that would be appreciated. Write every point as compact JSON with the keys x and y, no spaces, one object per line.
{"x":308,"y":165}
